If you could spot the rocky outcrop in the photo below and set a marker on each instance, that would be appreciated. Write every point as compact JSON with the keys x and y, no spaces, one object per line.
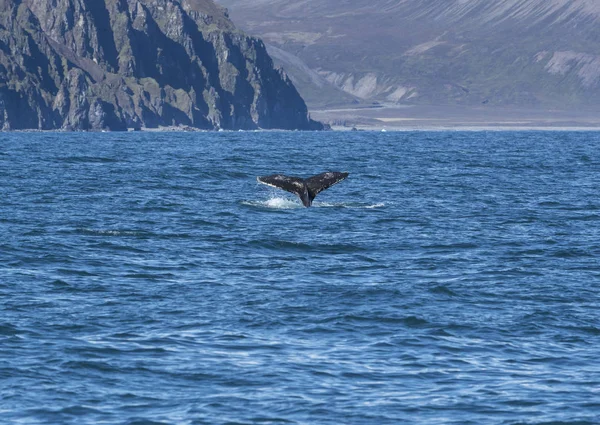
{"x":118,"y":64}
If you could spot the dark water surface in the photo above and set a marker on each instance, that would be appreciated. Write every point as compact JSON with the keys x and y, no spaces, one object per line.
{"x":148,"y":279}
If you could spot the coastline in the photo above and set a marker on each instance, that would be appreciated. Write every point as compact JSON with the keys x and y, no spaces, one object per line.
{"x":371,"y":129}
{"x":456,"y":118}
{"x":481,"y":128}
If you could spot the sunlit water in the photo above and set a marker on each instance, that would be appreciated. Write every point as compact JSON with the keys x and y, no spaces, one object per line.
{"x":147,"y":278}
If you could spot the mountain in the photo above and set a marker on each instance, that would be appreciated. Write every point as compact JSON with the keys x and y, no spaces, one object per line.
{"x":118,"y":64}
{"x":502,"y":53}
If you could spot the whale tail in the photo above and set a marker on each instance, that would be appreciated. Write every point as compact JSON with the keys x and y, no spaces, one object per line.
{"x":305,"y":189}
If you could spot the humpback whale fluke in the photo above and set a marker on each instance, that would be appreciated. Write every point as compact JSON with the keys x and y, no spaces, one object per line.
{"x":306,"y":189}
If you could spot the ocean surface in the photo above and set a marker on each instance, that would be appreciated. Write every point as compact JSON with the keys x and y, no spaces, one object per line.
{"x":147,"y":278}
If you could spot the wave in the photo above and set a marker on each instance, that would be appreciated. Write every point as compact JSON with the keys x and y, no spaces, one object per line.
{"x":112,"y":232}
{"x":350,"y":205}
{"x":88,"y":159}
{"x":140,"y":234}
{"x":279,"y":203}
{"x":329,"y":248}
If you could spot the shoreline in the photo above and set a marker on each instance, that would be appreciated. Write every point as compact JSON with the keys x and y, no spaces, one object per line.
{"x":456,"y":118}
{"x":482,"y":128}
{"x":338,"y":129}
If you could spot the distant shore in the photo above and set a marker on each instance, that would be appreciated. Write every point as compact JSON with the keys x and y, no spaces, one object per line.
{"x":378,"y":117}
{"x":465,"y":128}
{"x":448,"y":118}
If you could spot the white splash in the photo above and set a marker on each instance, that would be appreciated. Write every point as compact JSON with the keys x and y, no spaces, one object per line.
{"x":276,"y":203}
{"x":282,"y":203}
{"x":279,"y":203}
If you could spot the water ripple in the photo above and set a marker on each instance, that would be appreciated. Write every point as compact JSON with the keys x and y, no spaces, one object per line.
{"x":146,"y":278}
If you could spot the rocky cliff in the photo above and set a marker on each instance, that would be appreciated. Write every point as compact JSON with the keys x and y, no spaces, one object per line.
{"x":118,"y":64}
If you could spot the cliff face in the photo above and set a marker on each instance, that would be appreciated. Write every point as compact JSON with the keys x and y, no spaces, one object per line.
{"x":117,"y":64}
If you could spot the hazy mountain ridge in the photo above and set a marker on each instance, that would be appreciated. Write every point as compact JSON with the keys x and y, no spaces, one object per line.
{"x":116,"y":64}
{"x":534,"y":53}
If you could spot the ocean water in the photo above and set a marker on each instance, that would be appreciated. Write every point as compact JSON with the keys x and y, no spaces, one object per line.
{"x":147,"y":278}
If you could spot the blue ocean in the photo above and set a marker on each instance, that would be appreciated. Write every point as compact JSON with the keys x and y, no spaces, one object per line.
{"x":148,"y":278}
